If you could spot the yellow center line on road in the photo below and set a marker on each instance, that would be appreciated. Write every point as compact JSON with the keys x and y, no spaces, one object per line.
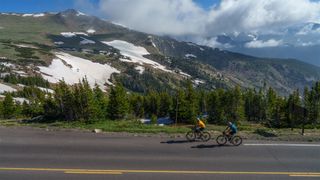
{"x":115,"y":171}
{"x":92,"y":172}
{"x":304,"y":175}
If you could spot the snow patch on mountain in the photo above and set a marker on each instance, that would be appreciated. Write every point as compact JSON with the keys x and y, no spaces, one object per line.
{"x":33,"y":15}
{"x":153,"y":44}
{"x":183,"y":74}
{"x":72,"y":34}
{"x":11,"y":14}
{"x":198,"y":81}
{"x":72,"y":69}
{"x":21,"y":100}
{"x":195,"y":45}
{"x":26,"y":46}
{"x":17,"y":99}
{"x":119,"y":24}
{"x":91,"y":31}
{"x":59,"y":43}
{"x":140,"y":69}
{"x":68,"y":34}
{"x":80,"y":14}
{"x":81,"y":33}
{"x":190,"y":56}
{"x":86,"y":41}
{"x":134,"y":53}
{"x":47,"y":90}
{"x":5,"y":88}
{"x":21,"y":73}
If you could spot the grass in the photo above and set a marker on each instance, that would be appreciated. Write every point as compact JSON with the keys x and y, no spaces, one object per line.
{"x":106,"y":126}
{"x":122,"y":126}
{"x":247,"y":131}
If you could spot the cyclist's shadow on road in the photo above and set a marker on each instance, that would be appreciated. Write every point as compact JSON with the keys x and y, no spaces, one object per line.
{"x":204,"y":146}
{"x":175,"y":142}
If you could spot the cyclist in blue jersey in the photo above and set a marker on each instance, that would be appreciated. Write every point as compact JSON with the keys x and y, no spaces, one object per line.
{"x":231,"y":130}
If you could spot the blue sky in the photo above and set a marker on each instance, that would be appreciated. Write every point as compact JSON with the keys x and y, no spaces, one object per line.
{"x":184,"y":17}
{"x":30,"y":6}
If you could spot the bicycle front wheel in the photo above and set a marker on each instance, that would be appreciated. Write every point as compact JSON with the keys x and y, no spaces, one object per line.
{"x":205,"y":136}
{"x":191,"y":136}
{"x":221,"y":140}
{"x":236,"y":140}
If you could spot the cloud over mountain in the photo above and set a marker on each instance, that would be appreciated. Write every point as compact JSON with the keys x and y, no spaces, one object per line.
{"x":265,"y":28}
{"x":185,"y":17}
{"x":262,"y":44}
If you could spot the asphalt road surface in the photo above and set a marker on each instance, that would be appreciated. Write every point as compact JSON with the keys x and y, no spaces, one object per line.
{"x":31,"y":154}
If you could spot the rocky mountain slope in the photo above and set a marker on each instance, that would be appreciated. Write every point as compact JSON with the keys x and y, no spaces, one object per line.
{"x":300,"y":41}
{"x":71,"y":45}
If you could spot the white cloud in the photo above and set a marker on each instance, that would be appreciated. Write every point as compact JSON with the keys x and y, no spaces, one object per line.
{"x":213,"y":42}
{"x":263,"y":44}
{"x":249,"y":15}
{"x":185,"y":17}
{"x":170,"y":17}
{"x":308,"y":29}
{"x":307,"y":44}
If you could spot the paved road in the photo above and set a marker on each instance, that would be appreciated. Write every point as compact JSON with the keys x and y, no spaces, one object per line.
{"x":37,"y":154}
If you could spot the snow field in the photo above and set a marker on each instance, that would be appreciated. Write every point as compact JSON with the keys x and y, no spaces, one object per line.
{"x":76,"y":69}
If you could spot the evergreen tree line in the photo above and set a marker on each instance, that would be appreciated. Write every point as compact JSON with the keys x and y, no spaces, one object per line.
{"x":28,"y":81}
{"x":82,"y":103}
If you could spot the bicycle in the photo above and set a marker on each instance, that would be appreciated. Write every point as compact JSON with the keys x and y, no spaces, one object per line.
{"x":224,"y":138}
{"x":197,"y":134}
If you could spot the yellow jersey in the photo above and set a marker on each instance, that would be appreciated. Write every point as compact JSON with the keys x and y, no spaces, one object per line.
{"x":201,"y":124}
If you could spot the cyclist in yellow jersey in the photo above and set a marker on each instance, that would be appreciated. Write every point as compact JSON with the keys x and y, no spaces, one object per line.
{"x":200,"y":125}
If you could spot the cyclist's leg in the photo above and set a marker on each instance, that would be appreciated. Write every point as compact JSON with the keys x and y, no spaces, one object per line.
{"x":232,"y":133}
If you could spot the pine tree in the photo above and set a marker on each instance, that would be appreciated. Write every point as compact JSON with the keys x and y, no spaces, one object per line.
{"x":279,"y":112}
{"x":65,"y":100}
{"x":51,"y":108}
{"x":118,"y":103}
{"x":315,"y":95}
{"x":191,"y":103}
{"x":233,"y":105}
{"x":89,"y":108}
{"x":248,"y":104}
{"x":202,"y":102}
{"x":165,"y":104}
{"x":1,"y":111}
{"x":215,"y":107}
{"x":100,"y":102}
{"x":137,"y":105}
{"x":152,"y":104}
{"x":180,"y":108}
{"x":9,"y":107}
{"x":293,"y":115}
{"x":271,"y":108}
{"x":307,"y":102}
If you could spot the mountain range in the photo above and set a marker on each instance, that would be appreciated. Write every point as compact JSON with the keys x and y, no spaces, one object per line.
{"x":71,"y":45}
{"x":298,"y":41}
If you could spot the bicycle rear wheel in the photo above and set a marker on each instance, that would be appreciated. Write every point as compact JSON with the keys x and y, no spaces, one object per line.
{"x":221,"y":140}
{"x":205,"y":136}
{"x":191,"y":136}
{"x":236,"y":140}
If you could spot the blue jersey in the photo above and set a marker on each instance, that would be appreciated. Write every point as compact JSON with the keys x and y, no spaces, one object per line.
{"x":233,"y":128}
